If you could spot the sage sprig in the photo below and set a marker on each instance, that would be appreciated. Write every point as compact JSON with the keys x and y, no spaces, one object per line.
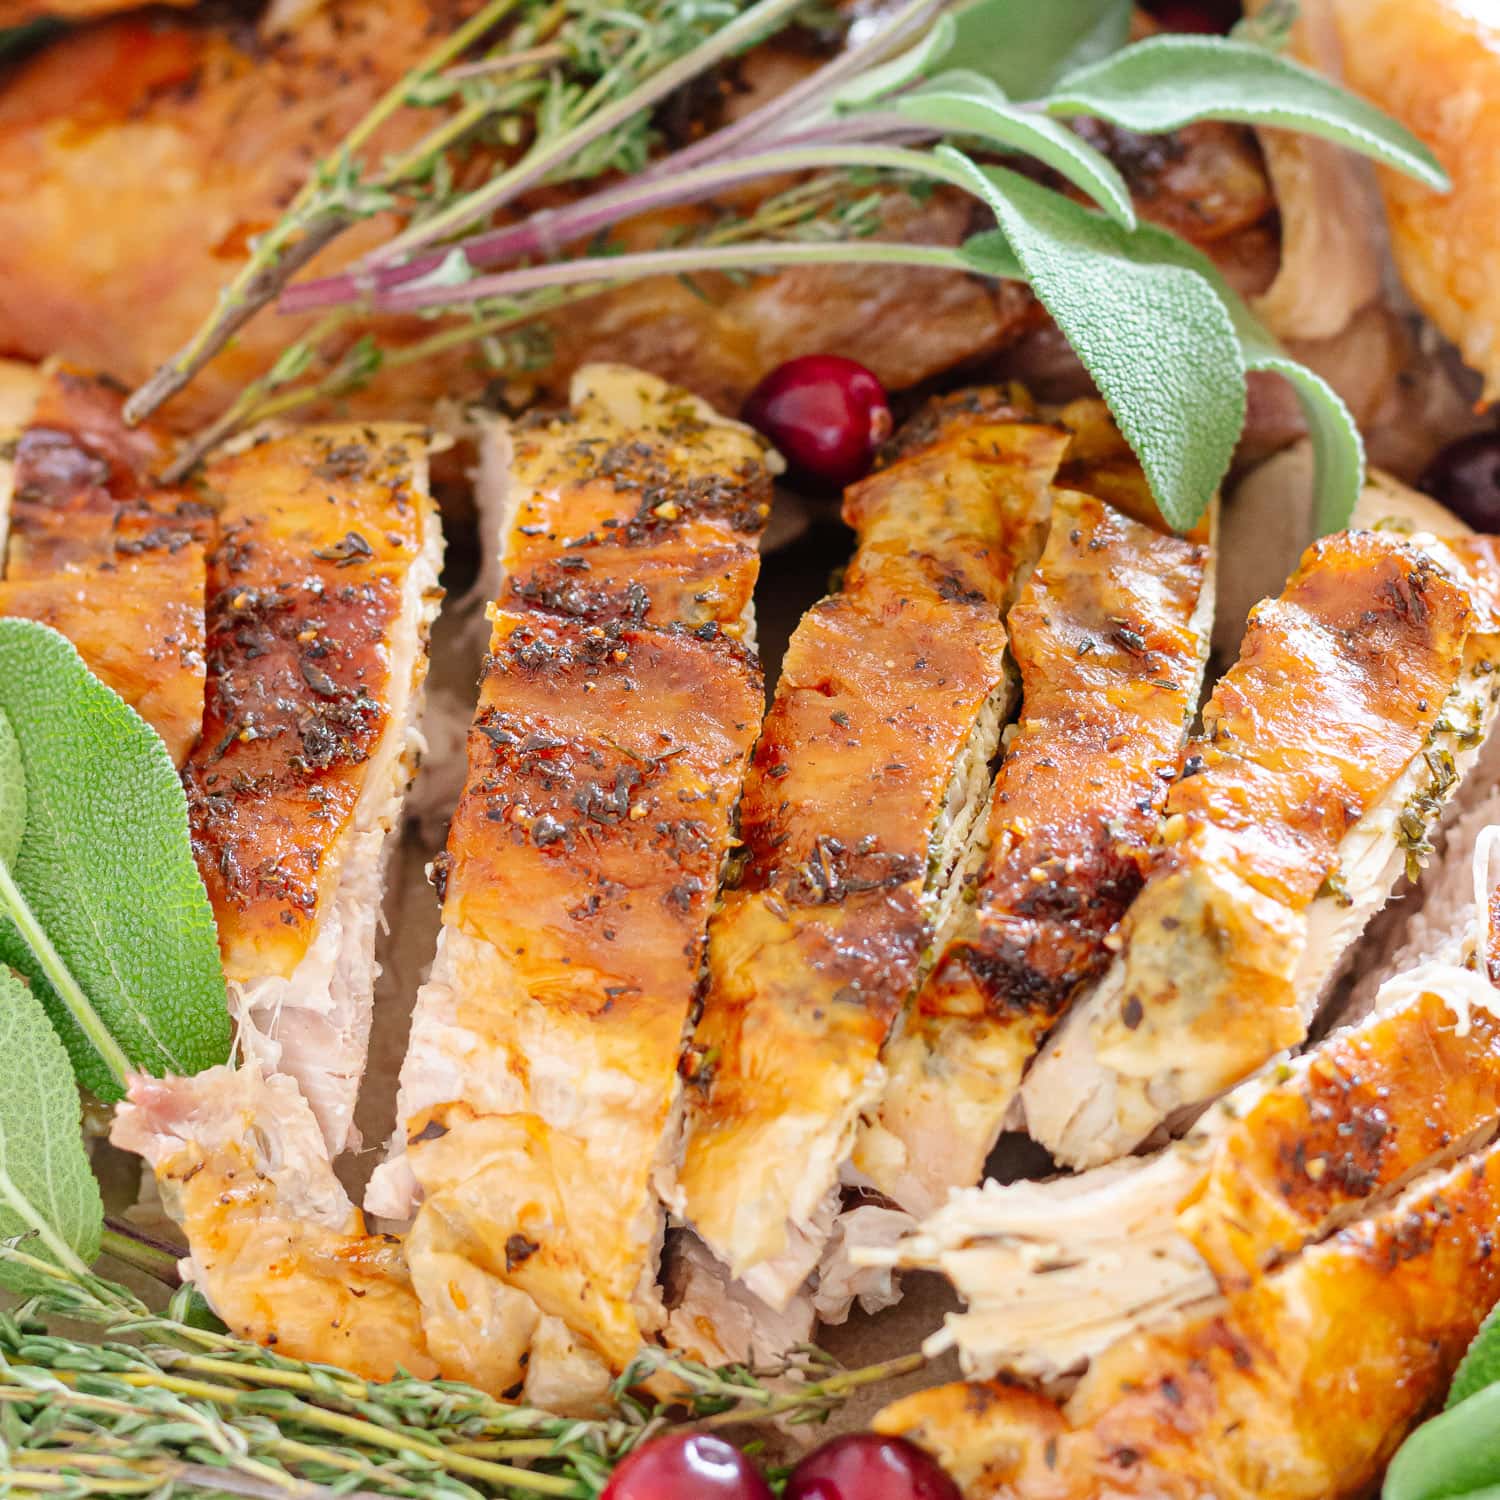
{"x":930,"y":94}
{"x":101,"y":905}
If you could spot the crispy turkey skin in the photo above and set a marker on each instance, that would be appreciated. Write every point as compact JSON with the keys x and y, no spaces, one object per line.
{"x":101,"y":552}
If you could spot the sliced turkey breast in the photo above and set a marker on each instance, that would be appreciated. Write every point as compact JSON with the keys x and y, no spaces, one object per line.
{"x":1358,"y":703}
{"x":1110,"y":636}
{"x":277,"y":1247}
{"x":1054,"y":1272}
{"x":321,"y":592}
{"x":617,"y":711}
{"x":1297,"y":1387}
{"x":872,"y":768}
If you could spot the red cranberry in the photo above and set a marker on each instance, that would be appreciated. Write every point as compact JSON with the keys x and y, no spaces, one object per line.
{"x":686,"y":1466}
{"x":866,"y":1466}
{"x":826,"y":414}
{"x":1465,"y":476}
{"x":1209,"y":16}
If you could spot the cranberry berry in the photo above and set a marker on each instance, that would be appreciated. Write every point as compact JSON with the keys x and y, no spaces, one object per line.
{"x":686,"y":1466}
{"x":866,"y":1466}
{"x":1465,"y":476}
{"x":827,"y":415}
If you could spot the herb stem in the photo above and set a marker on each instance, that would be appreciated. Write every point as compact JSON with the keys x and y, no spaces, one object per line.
{"x":87,"y":1019}
{"x":546,"y":155}
{"x":284,"y":250}
{"x":831,"y":1388}
{"x":546,"y":232}
{"x":777,"y":113}
{"x":154,"y":1260}
{"x":361,"y":1431}
{"x":754,"y":256}
{"x":250,"y":404}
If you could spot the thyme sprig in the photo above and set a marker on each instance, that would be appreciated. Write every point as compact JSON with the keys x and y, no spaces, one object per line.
{"x":582,"y":58}
{"x":159,"y":1405}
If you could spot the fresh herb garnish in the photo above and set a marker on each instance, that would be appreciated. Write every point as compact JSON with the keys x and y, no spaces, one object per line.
{"x":47,"y":1190}
{"x":164,"y":1406}
{"x":1456,"y":1456}
{"x":928,"y":94}
{"x":101,"y":905}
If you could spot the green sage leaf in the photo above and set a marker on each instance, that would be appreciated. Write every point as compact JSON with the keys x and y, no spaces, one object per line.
{"x":106,"y":872}
{"x":1155,"y":335}
{"x":1454,"y":1454}
{"x":989,"y":117}
{"x":885,"y":78}
{"x":1167,"y":82}
{"x":1480,"y":1365}
{"x":12,"y":793}
{"x":47,"y":1191}
{"x":1338,"y":448}
{"x":1026,"y":47}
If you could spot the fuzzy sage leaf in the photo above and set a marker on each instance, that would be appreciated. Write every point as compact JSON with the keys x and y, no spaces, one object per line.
{"x":1453,"y":1455}
{"x":917,"y":61}
{"x":1338,"y":449}
{"x":1026,"y":47}
{"x":987,"y":115}
{"x":104,"y":909}
{"x":1156,"y":337}
{"x":1167,"y":82}
{"x":47,"y":1191}
{"x":12,"y":793}
{"x":1480,"y":1365}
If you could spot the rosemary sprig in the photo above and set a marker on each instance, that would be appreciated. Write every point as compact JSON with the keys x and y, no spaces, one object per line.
{"x":190,"y":1408}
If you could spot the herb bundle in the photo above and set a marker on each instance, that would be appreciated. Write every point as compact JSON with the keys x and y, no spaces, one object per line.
{"x":932,"y":93}
{"x":163,"y":1405}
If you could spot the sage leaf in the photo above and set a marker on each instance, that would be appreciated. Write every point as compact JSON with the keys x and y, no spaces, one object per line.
{"x":1480,"y":1365}
{"x":47,"y":1191}
{"x":1167,"y":82}
{"x":1338,"y":448}
{"x":1156,"y":337}
{"x":1454,"y":1454}
{"x":989,"y":253}
{"x":12,"y":793}
{"x":1026,"y":47}
{"x":104,"y":893}
{"x":885,"y":78}
{"x":988,"y":116}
